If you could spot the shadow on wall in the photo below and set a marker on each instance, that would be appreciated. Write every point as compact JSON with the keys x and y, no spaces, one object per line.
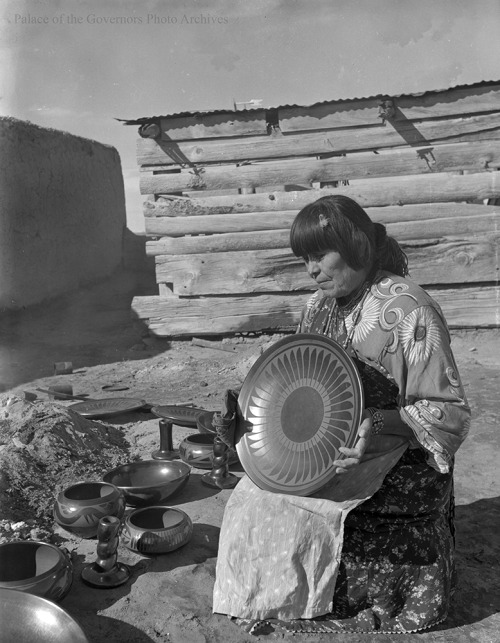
{"x":134,"y":254}
{"x":92,"y":325}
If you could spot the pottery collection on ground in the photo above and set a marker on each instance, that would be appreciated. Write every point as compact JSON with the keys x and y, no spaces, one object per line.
{"x":34,"y":575}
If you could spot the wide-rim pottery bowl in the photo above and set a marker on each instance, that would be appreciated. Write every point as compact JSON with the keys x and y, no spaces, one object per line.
{"x":149,"y":482}
{"x":79,"y":508}
{"x":156,"y":530}
{"x":27,"y":618}
{"x":197,"y":450}
{"x":36,"y":568}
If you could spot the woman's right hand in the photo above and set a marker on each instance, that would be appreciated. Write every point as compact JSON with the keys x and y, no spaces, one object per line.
{"x":355,"y":455}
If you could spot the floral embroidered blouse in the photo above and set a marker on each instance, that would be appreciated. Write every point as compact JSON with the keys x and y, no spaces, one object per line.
{"x":400,"y":331}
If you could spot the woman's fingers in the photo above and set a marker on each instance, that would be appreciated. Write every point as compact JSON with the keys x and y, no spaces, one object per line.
{"x":357,"y":452}
{"x":365,"y":427}
{"x":354,"y":455}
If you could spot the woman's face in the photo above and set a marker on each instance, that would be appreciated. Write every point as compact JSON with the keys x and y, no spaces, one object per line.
{"x":333,"y":275}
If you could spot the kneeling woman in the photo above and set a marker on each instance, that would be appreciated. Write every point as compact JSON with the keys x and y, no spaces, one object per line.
{"x":373,"y":550}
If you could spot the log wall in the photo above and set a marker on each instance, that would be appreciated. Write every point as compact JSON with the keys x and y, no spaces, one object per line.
{"x":223,"y":188}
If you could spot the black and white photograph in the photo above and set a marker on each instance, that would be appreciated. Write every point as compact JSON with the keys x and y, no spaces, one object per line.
{"x":249,"y":321}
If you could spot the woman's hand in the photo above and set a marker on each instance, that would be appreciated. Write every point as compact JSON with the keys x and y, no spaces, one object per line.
{"x":353,"y":456}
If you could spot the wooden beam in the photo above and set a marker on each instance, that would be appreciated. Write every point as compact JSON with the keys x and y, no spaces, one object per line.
{"x":349,"y":113}
{"x":218,"y":243}
{"x":202,"y":125}
{"x":212,"y":315}
{"x":419,"y":160}
{"x":475,"y":307}
{"x":470,"y":307}
{"x":224,"y":150}
{"x":249,"y":222}
{"x":447,"y":262}
{"x":400,"y":190}
{"x":408,"y":232}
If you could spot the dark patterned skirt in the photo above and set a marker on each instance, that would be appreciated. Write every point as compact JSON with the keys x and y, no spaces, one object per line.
{"x":397,"y":571}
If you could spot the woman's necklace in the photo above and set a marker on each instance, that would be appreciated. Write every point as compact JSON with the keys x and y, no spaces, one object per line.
{"x":341,"y":309}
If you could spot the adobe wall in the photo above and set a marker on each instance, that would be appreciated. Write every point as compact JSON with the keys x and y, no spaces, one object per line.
{"x":62,"y":212}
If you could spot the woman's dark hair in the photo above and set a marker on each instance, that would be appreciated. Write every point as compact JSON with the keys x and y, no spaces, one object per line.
{"x":338,"y":223}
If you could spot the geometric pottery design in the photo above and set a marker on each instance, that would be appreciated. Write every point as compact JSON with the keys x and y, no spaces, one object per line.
{"x":156,"y":530}
{"x":300,"y":402}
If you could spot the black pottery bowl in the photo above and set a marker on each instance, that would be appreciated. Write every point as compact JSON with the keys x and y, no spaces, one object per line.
{"x":197,"y":450}
{"x":36,"y":568}
{"x":156,"y":530}
{"x":79,"y":508}
{"x":149,"y":482}
{"x":27,"y":618}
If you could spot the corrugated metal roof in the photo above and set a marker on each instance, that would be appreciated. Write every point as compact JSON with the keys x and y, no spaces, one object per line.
{"x":147,"y":119}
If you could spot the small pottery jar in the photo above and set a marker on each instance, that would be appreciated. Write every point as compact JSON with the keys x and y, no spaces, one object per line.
{"x":197,"y":450}
{"x":79,"y":508}
{"x":156,"y":530}
{"x":36,"y":568}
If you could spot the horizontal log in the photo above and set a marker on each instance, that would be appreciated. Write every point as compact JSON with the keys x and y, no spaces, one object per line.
{"x":164,"y":152}
{"x":202,"y":125}
{"x":223,"y":223}
{"x":218,"y":243}
{"x":349,"y":113}
{"x":379,"y":192}
{"x":358,"y":165}
{"x":477,"y":307}
{"x":218,"y":223}
{"x":214,"y":315}
{"x":409,"y":233}
{"x":471,"y":307}
{"x":233,"y":273}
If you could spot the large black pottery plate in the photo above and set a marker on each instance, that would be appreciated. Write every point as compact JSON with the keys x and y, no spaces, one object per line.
{"x":301,"y":401}
{"x":180,"y":415}
{"x":107,"y":407}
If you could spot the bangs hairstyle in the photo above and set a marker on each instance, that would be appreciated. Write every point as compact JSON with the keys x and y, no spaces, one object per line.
{"x":347,"y":229}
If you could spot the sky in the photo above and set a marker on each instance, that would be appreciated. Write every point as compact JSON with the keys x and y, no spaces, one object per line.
{"x":78,"y":65}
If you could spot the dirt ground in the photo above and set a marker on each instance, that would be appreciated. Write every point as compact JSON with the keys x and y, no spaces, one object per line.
{"x":168,"y":597}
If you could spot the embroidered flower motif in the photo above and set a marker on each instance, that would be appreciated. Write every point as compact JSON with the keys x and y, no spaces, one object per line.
{"x":419,"y":335}
{"x":456,"y":387}
{"x":312,"y":306}
{"x":429,"y":411}
{"x":367,"y":319}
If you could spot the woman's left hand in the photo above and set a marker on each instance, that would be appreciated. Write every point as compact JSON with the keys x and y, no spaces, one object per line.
{"x":353,"y":456}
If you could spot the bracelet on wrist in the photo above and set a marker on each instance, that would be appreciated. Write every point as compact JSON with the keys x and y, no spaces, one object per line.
{"x":377,"y":420}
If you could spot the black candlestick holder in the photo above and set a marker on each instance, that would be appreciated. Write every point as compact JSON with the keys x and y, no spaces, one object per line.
{"x":219,"y":476}
{"x":166,"y":450}
{"x":106,"y":571}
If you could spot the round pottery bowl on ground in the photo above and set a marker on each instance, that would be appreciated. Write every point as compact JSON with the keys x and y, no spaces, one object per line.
{"x":27,"y":618}
{"x":197,"y":450}
{"x":36,"y":568}
{"x":156,"y":530}
{"x":149,"y":482}
{"x":79,"y":508}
